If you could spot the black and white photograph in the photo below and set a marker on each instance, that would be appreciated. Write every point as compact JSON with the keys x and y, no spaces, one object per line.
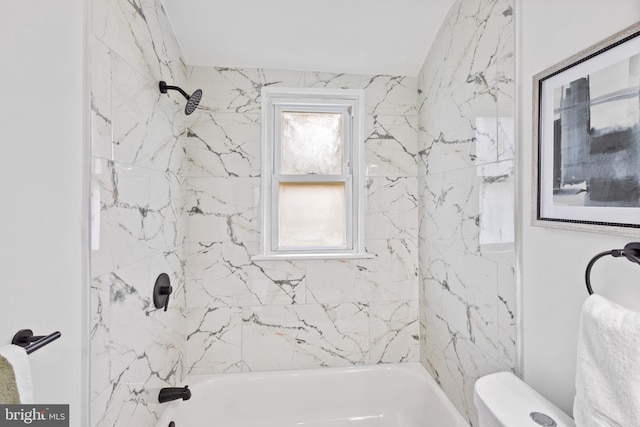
{"x":589,"y":137}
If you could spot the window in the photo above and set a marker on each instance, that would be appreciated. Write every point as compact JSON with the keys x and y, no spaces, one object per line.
{"x":312,"y":195}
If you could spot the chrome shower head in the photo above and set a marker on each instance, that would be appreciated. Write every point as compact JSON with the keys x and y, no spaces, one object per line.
{"x":192,"y":101}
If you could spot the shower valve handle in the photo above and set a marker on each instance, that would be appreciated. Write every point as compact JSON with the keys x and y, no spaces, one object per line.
{"x":166,"y":290}
{"x":161,"y":291}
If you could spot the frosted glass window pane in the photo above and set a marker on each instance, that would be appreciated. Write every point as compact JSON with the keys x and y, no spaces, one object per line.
{"x":311,"y":143}
{"x":312,"y":215}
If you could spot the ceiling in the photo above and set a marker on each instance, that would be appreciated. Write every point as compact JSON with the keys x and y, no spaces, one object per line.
{"x":341,"y":36}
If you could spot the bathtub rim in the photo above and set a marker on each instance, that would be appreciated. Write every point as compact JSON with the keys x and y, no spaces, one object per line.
{"x":414,"y":369}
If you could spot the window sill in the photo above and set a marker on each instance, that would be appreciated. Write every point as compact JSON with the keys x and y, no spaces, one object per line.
{"x":293,"y":257}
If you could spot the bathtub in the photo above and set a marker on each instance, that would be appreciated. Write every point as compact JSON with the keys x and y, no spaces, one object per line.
{"x":390,"y":395}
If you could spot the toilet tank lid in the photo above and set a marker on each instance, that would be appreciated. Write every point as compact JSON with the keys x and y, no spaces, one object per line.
{"x":511,"y":401}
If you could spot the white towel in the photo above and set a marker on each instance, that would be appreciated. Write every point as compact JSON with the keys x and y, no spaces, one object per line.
{"x":18,"y":371}
{"x":608,"y":365}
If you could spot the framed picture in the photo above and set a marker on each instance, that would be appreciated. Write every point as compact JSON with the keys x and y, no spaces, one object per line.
{"x":587,"y":139}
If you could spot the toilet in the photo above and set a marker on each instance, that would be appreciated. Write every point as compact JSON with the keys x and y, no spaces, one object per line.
{"x":504,"y":400}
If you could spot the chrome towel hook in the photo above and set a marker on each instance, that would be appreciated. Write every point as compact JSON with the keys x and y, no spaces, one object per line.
{"x":631,"y":252}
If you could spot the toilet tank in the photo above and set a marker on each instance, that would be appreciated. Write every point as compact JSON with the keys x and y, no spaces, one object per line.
{"x":504,"y":400}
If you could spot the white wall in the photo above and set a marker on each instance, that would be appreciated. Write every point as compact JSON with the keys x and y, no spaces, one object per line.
{"x":553,"y":261}
{"x":42,"y":219}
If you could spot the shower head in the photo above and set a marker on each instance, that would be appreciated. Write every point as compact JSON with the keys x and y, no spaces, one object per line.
{"x":192,"y":101}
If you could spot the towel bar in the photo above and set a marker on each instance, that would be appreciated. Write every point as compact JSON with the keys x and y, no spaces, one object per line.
{"x":25,"y":338}
{"x":631,"y":252}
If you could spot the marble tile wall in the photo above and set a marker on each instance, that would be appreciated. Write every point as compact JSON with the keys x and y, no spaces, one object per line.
{"x":137,"y":221}
{"x":246,"y":315}
{"x":180,"y":195}
{"x":467,"y":289}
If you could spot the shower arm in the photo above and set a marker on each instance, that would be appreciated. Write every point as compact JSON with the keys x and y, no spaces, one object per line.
{"x":164,"y":87}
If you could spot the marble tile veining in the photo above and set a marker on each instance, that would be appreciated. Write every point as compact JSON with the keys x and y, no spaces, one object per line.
{"x":137,"y":224}
{"x":224,"y":145}
{"x":466,"y":199}
{"x":394,"y":331}
{"x":296,"y":313}
{"x":390,"y":146}
{"x":223,"y":274}
{"x":302,"y":336}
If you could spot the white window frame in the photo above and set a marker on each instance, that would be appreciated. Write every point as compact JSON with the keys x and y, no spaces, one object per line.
{"x":350,"y":103}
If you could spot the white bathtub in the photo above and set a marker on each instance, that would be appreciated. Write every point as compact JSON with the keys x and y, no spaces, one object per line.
{"x":391,"y":395}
